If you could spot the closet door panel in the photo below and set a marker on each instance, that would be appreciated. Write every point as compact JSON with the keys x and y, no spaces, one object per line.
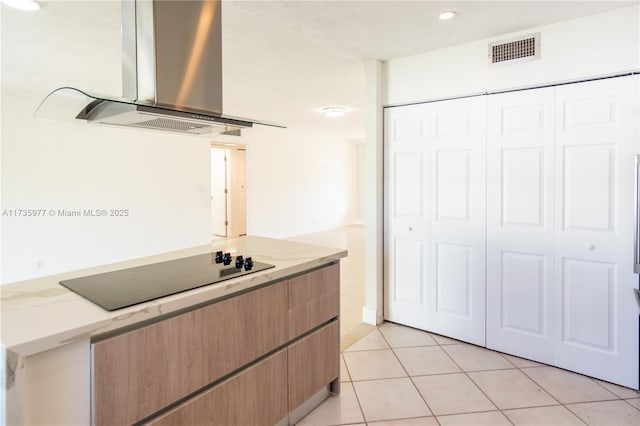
{"x":406,"y":212}
{"x":453,"y":279}
{"x":457,"y":223}
{"x":522,"y":184}
{"x":596,"y":326}
{"x":520,"y":177}
{"x":589,"y":188}
{"x":453,"y":185}
{"x":522,"y":301}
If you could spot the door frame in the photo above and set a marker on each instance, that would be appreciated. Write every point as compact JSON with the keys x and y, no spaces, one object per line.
{"x":235,"y":187}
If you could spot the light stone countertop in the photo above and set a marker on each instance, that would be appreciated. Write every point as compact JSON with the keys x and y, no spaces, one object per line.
{"x":40,"y":314}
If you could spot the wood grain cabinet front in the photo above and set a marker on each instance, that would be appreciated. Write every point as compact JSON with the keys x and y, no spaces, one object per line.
{"x":256,"y":396}
{"x":314,"y":362}
{"x":314,"y":299}
{"x":138,"y":373}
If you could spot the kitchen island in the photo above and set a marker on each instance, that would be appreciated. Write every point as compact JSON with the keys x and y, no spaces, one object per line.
{"x":263,"y":346}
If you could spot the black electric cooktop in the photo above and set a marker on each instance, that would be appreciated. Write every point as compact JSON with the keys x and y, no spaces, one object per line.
{"x":127,"y":287}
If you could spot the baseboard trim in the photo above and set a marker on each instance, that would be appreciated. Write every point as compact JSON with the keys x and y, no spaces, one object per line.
{"x":369,"y":316}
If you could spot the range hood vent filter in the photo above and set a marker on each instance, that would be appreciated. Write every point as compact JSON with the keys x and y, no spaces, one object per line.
{"x":173,"y":125}
{"x":521,"y":49}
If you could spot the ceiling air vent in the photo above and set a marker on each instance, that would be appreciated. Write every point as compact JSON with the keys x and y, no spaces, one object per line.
{"x":521,"y":49}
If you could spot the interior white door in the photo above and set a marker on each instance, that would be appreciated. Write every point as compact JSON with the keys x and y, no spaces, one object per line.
{"x":520,"y":218}
{"x":596,"y":314}
{"x":237,"y":213}
{"x":457,"y":219}
{"x":407,"y":202}
{"x":218,"y":192}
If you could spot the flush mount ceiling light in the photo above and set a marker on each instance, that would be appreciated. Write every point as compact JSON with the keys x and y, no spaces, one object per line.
{"x":334,"y":111}
{"x":29,"y":5}
{"x":445,"y":16}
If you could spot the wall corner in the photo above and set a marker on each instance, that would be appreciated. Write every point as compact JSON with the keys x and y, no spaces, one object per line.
{"x":373,"y":178}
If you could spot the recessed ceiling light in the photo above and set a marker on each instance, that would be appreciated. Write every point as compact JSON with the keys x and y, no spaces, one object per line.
{"x":29,"y":5}
{"x":445,"y":16}
{"x":334,"y":111}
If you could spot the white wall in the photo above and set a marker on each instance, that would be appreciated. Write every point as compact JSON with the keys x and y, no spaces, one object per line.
{"x":590,"y":46}
{"x":163,"y":180}
{"x":298,"y":183}
{"x":360,"y":182}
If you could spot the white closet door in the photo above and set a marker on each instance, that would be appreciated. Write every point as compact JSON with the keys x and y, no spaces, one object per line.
{"x":406,"y":200}
{"x":596,"y":314}
{"x":520,"y":177}
{"x":457,"y":210}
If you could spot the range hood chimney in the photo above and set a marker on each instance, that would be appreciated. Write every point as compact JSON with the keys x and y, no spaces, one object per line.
{"x":171,"y":73}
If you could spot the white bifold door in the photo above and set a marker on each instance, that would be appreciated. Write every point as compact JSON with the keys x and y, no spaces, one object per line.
{"x":520,"y":223}
{"x":560,"y":227}
{"x":435,"y":206}
{"x":513,"y":215}
{"x":596,"y":314}
{"x":456,"y":181}
{"x":407,"y":203}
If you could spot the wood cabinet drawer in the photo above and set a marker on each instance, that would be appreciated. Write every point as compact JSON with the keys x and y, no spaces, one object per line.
{"x":257,"y":396}
{"x":314,"y":298}
{"x":135,"y":374}
{"x":313,"y":363}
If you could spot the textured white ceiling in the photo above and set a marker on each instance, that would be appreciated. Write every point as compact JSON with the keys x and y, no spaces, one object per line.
{"x":387,"y":29}
{"x":283,"y":60}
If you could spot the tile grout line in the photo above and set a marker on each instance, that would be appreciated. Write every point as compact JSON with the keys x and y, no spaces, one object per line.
{"x":628,"y":403}
{"x":520,"y":369}
{"x":527,"y":376}
{"x":563,"y":403}
{"x":477,"y":386}
{"x":548,"y":393}
{"x":461,"y":371}
{"x":408,"y":375}
{"x":576,"y":415}
{"x":377,"y":380}
{"x":597,"y":381}
{"x":434,"y":415}
{"x":541,"y":387}
{"x":353,"y":386}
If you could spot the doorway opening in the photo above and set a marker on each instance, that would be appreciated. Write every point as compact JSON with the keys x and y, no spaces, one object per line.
{"x":228,"y":191}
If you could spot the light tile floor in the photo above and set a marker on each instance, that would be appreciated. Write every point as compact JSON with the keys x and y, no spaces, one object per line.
{"x":399,"y":376}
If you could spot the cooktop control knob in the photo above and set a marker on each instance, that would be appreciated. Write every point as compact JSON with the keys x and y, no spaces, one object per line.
{"x":248,"y":264}
{"x":226,"y":259}
{"x":218,"y":257}
{"x":239,"y":262}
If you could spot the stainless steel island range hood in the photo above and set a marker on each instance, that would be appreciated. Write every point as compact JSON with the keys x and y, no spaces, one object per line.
{"x":171,"y":73}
